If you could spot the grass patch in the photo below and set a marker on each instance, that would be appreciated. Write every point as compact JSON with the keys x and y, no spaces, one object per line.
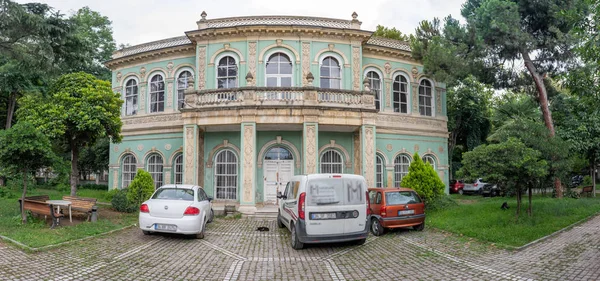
{"x":482,"y":218}
{"x":37,"y":233}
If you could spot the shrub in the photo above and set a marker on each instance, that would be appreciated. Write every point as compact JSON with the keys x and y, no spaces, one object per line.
{"x":141,"y":188}
{"x":424,"y":180}
{"x":94,"y":186}
{"x":442,"y":202}
{"x":587,"y":181}
{"x":108,"y":196}
{"x":120,"y":202}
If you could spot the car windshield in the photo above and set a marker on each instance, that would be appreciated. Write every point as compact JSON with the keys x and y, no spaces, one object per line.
{"x":401,"y":197}
{"x":335,"y":192}
{"x":452,"y":181}
{"x":174,"y":194}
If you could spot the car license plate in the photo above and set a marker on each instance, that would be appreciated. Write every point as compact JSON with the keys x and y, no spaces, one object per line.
{"x":406,"y":212}
{"x":167,"y":227}
{"x":323,"y":216}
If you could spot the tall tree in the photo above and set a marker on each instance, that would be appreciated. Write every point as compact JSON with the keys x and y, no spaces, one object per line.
{"x":95,"y":158}
{"x":24,"y":149}
{"x":80,"y":110}
{"x":391,"y":33}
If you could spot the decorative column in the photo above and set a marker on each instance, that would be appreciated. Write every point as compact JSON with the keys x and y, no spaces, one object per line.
{"x":415,"y":98}
{"x":310,"y":150}
{"x":357,"y":153}
{"x":248,"y":171}
{"x":367,"y":139}
{"x":201,"y":67}
{"x":167,"y":174}
{"x":190,"y":147}
{"x":390,"y":175}
{"x":200,"y":155}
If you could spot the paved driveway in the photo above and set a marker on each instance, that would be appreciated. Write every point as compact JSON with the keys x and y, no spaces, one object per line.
{"x":234,"y":250}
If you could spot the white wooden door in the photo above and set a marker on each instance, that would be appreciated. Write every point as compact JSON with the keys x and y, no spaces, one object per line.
{"x":277,"y":173}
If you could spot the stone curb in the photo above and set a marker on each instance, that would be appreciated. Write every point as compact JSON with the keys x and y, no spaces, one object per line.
{"x":569,"y":227}
{"x":31,"y":249}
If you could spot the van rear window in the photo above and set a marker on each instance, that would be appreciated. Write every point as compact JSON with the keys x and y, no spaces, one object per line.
{"x":401,"y":197}
{"x":335,"y":192}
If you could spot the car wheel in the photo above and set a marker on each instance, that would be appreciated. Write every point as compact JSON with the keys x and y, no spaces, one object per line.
{"x":279,"y":222}
{"x":460,"y":191}
{"x":200,"y":235}
{"x":419,"y":227}
{"x":376,"y":227}
{"x":361,"y":241}
{"x":296,"y":244}
{"x":211,"y":216}
{"x":146,"y":232}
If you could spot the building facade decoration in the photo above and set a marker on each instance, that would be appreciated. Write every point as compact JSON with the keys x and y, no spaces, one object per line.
{"x":241,"y":133}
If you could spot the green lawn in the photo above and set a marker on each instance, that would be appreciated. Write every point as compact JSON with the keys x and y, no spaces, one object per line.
{"x":482,"y":218}
{"x":38,"y":234}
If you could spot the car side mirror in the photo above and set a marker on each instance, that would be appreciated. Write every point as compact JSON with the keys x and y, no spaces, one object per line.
{"x":210,"y":199}
{"x":281,"y":196}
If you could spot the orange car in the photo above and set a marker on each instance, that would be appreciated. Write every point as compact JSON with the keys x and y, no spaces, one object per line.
{"x":394,"y":208}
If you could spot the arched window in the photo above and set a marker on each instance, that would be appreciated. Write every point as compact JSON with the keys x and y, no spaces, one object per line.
{"x":400,"y":94}
{"x":425,"y":98}
{"x":178,"y":171}
{"x":157,"y":93}
{"x":279,"y":71}
{"x":128,"y":170}
{"x":227,"y":72}
{"x":331,"y":73}
{"x":331,"y":162}
{"x":182,"y":85}
{"x":379,"y":171}
{"x":429,"y":159}
{"x":155,"y":168}
{"x":278,"y":153}
{"x":401,"y":164}
{"x":375,"y":86}
{"x":131,"y":97}
{"x":226,"y":175}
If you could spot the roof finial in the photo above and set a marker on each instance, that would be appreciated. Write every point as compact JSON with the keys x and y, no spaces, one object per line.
{"x":354,"y":16}
{"x":203,"y":15}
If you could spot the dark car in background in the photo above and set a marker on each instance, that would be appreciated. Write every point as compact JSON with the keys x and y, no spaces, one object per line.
{"x":490,"y":190}
{"x":456,"y":186}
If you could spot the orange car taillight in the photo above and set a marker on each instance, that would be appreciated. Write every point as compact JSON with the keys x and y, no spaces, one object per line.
{"x":383,"y":211}
{"x":144,"y":208}
{"x":368,"y":204}
{"x":301,"y":203}
{"x":191,"y":211}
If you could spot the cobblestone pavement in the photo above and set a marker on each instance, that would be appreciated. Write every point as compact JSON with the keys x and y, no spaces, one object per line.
{"x":234,"y":250}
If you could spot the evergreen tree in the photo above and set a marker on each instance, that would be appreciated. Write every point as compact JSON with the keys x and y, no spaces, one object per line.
{"x":423,"y":179}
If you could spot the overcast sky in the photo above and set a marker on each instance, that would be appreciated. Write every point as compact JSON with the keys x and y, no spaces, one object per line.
{"x":141,"y":21}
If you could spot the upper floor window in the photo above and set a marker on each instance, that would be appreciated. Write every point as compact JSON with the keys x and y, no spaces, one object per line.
{"x":425,"y":98}
{"x":182,"y":84}
{"x":131,"y":97}
{"x":429,"y":159}
{"x":157,"y":93}
{"x":331,"y":73}
{"x":400,"y":94}
{"x":279,"y":71}
{"x":375,"y":86}
{"x":227,"y":72}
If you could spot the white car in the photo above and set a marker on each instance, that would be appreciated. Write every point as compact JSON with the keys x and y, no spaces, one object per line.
{"x":182,"y":209}
{"x":475,"y":187}
{"x":325,"y":208}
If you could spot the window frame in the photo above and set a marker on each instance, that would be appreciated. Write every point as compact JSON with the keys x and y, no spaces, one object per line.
{"x":130,"y":173}
{"x":150,"y":93}
{"x":379,"y":174}
{"x":178,"y":166}
{"x":125,"y":96}
{"x":400,"y":93}
{"x":399,"y":172}
{"x":235,"y":176}
{"x":432,"y":162}
{"x":177,"y":89}
{"x":341,"y":68}
{"x":150,"y":167}
{"x":379,"y":92}
{"x":423,"y":106}
{"x":323,"y":164}
{"x":279,"y":76}
{"x":237,"y":72}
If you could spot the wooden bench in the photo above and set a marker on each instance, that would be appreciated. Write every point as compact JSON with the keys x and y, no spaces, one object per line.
{"x":41,"y":198}
{"x":82,"y":204}
{"x":42,"y":208}
{"x":587,"y":189}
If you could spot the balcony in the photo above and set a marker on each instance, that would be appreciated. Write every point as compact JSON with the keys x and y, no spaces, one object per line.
{"x":278,"y":97}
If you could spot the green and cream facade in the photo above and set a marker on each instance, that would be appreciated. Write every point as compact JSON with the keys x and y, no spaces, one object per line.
{"x":240,"y":105}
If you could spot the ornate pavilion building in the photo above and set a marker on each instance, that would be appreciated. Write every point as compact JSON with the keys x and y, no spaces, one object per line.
{"x":239,"y":105}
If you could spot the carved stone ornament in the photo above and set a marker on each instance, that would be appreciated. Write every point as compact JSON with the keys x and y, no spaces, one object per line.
{"x":416,"y":148}
{"x":356,"y":67}
{"x":201,"y":67}
{"x":305,"y":62}
{"x":248,"y":163}
{"x":189,"y":155}
{"x":170,"y":66}
{"x":331,"y":47}
{"x":119,"y":76}
{"x":369,"y":163}
{"x":140,"y":147}
{"x":143,"y":72}
{"x":311,"y":149}
{"x":167,"y":147}
{"x":415,"y":72}
{"x":389,"y":147}
{"x":252,"y":60}
{"x":441,"y":149}
{"x":115,"y":179}
{"x":226,"y":46}
{"x":170,"y":94}
{"x":116,"y":148}
{"x":388,"y":68}
{"x":279,"y":42}
{"x":152,"y":119}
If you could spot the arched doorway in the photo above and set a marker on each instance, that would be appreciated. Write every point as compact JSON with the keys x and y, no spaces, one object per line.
{"x":278,"y":169}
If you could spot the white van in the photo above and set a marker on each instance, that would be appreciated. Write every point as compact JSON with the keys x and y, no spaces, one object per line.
{"x":323,"y":208}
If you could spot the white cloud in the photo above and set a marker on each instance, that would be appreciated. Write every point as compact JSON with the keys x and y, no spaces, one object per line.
{"x":140,"y":21}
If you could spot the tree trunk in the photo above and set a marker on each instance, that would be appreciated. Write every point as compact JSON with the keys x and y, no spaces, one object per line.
{"x":74,"y":171}
{"x":12,"y":101}
{"x":543,"y":98}
{"x":529,"y":213}
{"x":594,"y":176}
{"x":518,"y":202}
{"x":23,"y":215}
